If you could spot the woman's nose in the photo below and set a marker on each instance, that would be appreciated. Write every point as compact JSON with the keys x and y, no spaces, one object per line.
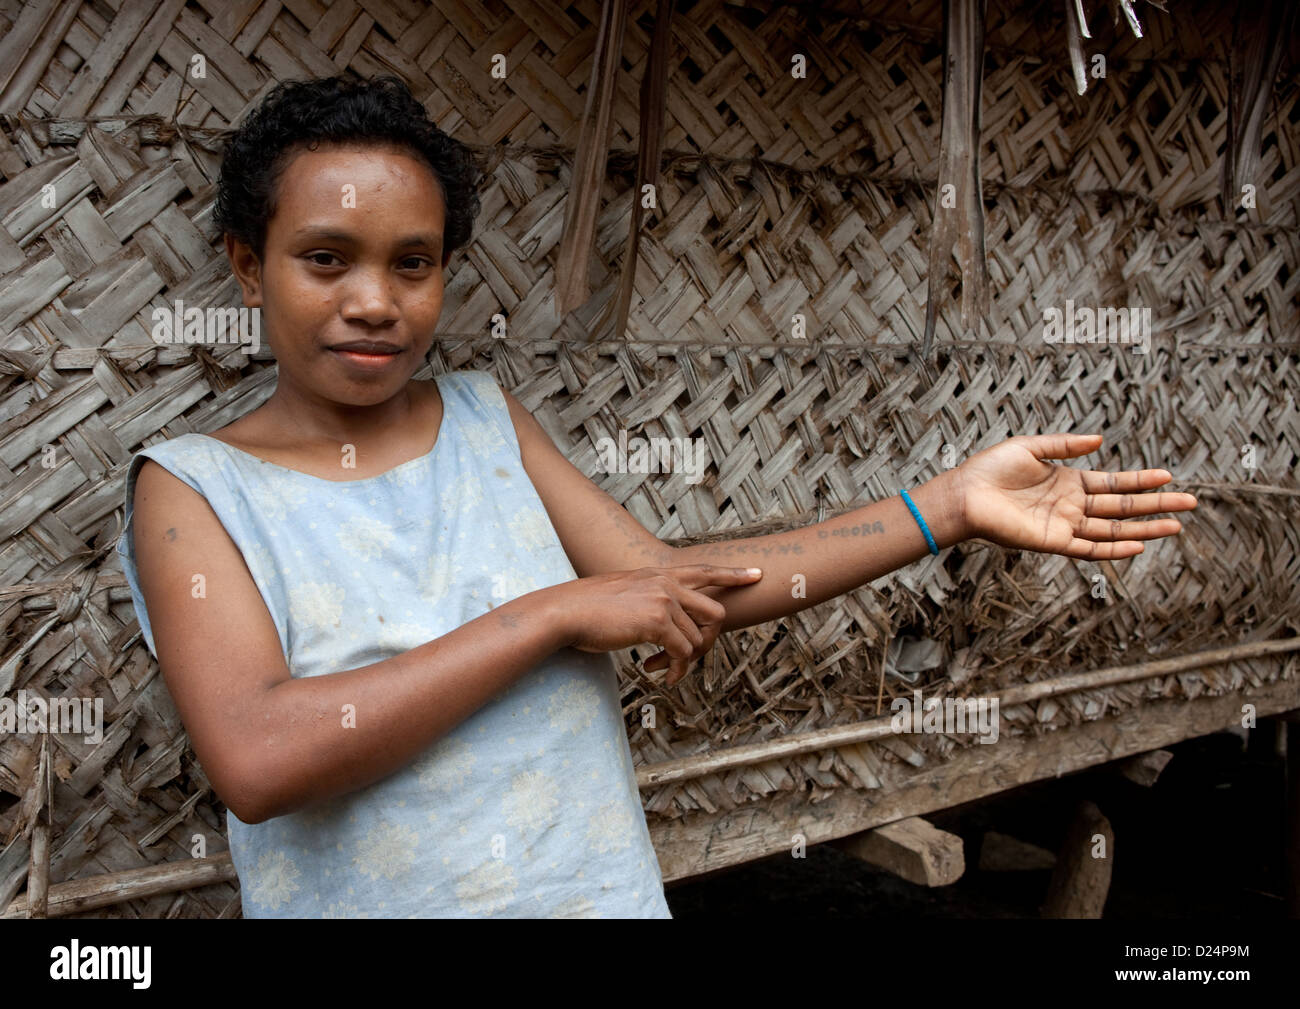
{"x":370,"y":298}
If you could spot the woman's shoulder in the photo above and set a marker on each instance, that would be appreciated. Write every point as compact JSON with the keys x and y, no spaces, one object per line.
{"x":479,"y":382}
{"x":176,"y":453}
{"x":190,"y":458}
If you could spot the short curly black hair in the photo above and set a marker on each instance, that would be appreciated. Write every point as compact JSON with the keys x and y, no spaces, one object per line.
{"x":297,"y":115}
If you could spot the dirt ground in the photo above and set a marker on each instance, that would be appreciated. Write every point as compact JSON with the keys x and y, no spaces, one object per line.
{"x":1206,"y":840}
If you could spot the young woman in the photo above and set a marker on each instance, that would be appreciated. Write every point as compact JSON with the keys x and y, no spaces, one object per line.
{"x":384,"y":607}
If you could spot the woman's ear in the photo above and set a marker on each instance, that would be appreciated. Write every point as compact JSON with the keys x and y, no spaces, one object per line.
{"x":247,"y":270}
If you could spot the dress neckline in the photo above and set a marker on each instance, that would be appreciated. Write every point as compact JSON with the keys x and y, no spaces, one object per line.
{"x":400,"y":467}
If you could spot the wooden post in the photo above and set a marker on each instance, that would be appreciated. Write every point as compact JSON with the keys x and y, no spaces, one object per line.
{"x":1082,"y":877}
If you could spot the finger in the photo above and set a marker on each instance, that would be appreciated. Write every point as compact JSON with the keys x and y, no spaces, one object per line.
{"x":689,"y":637}
{"x":686,"y":625}
{"x":693,"y":576}
{"x":676,"y":670}
{"x":701,"y":608}
{"x":1061,"y":446}
{"x":1113,"y":530}
{"x":674,"y":645}
{"x":680,"y":660}
{"x":1124,"y":482}
{"x":1116,"y":506}
{"x":1094,"y":551}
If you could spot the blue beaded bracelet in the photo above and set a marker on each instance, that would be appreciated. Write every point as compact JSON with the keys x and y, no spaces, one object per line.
{"x":916,"y":514}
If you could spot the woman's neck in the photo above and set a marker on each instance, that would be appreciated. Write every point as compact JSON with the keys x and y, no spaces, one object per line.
{"x":297,"y":436}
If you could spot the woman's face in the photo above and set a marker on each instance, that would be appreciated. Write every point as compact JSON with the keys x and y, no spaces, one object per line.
{"x":353,"y":253}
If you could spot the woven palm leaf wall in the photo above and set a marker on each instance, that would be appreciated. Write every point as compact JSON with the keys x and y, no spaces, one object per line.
{"x":777,"y":196}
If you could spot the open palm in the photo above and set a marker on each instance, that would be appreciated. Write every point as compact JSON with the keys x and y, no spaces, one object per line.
{"x":1015,"y":498}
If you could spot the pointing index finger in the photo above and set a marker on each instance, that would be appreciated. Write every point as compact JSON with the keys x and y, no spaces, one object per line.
{"x":697,"y":575}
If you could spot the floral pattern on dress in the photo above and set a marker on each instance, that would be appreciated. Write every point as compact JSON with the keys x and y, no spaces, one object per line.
{"x":259,"y":561}
{"x":575,"y":907}
{"x":441,"y":574}
{"x":366,"y":538}
{"x":532,"y":801}
{"x":316,"y":605}
{"x":409,"y":474}
{"x":483,"y":436}
{"x":511,"y":583}
{"x":467,"y":492}
{"x":573,"y":706}
{"x":610,"y":828}
{"x":532,"y":529}
{"x":273,"y":881}
{"x":446,"y":765}
{"x":277,"y":498}
{"x":388,"y":850}
{"x":399,"y":638}
{"x":341,"y":910}
{"x":488,"y":888}
{"x":208,"y":462}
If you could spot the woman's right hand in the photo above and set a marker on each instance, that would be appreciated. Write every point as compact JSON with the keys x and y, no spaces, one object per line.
{"x":660,"y":605}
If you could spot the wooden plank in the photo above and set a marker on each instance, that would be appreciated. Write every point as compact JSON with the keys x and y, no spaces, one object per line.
{"x":703,"y":842}
{"x":880,"y":729}
{"x":913,"y":849}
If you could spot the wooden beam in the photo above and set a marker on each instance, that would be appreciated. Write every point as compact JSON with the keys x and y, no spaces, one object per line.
{"x":700,"y":842}
{"x":116,"y":887}
{"x":913,"y":849}
{"x":683,"y":768}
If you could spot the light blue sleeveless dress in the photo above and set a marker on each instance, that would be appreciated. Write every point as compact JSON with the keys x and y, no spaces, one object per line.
{"x":529,"y":808}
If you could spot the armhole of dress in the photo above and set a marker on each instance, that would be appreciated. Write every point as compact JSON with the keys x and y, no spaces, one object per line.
{"x":126,"y":543}
{"x":133,"y":474}
{"x":484,"y":388}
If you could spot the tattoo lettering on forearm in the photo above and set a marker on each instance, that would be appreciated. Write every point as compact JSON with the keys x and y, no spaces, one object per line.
{"x":866,"y":529}
{"x":623,"y":521}
{"x":730,"y":549}
{"x":507,"y":619}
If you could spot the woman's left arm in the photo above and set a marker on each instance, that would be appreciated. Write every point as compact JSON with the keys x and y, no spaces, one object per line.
{"x":1009,"y":494}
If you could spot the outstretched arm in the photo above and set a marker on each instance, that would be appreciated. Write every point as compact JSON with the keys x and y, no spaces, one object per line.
{"x":807,"y":566}
{"x":1008,"y":494}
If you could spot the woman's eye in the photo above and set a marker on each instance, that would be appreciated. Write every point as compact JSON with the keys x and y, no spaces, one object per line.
{"x":329,"y":259}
